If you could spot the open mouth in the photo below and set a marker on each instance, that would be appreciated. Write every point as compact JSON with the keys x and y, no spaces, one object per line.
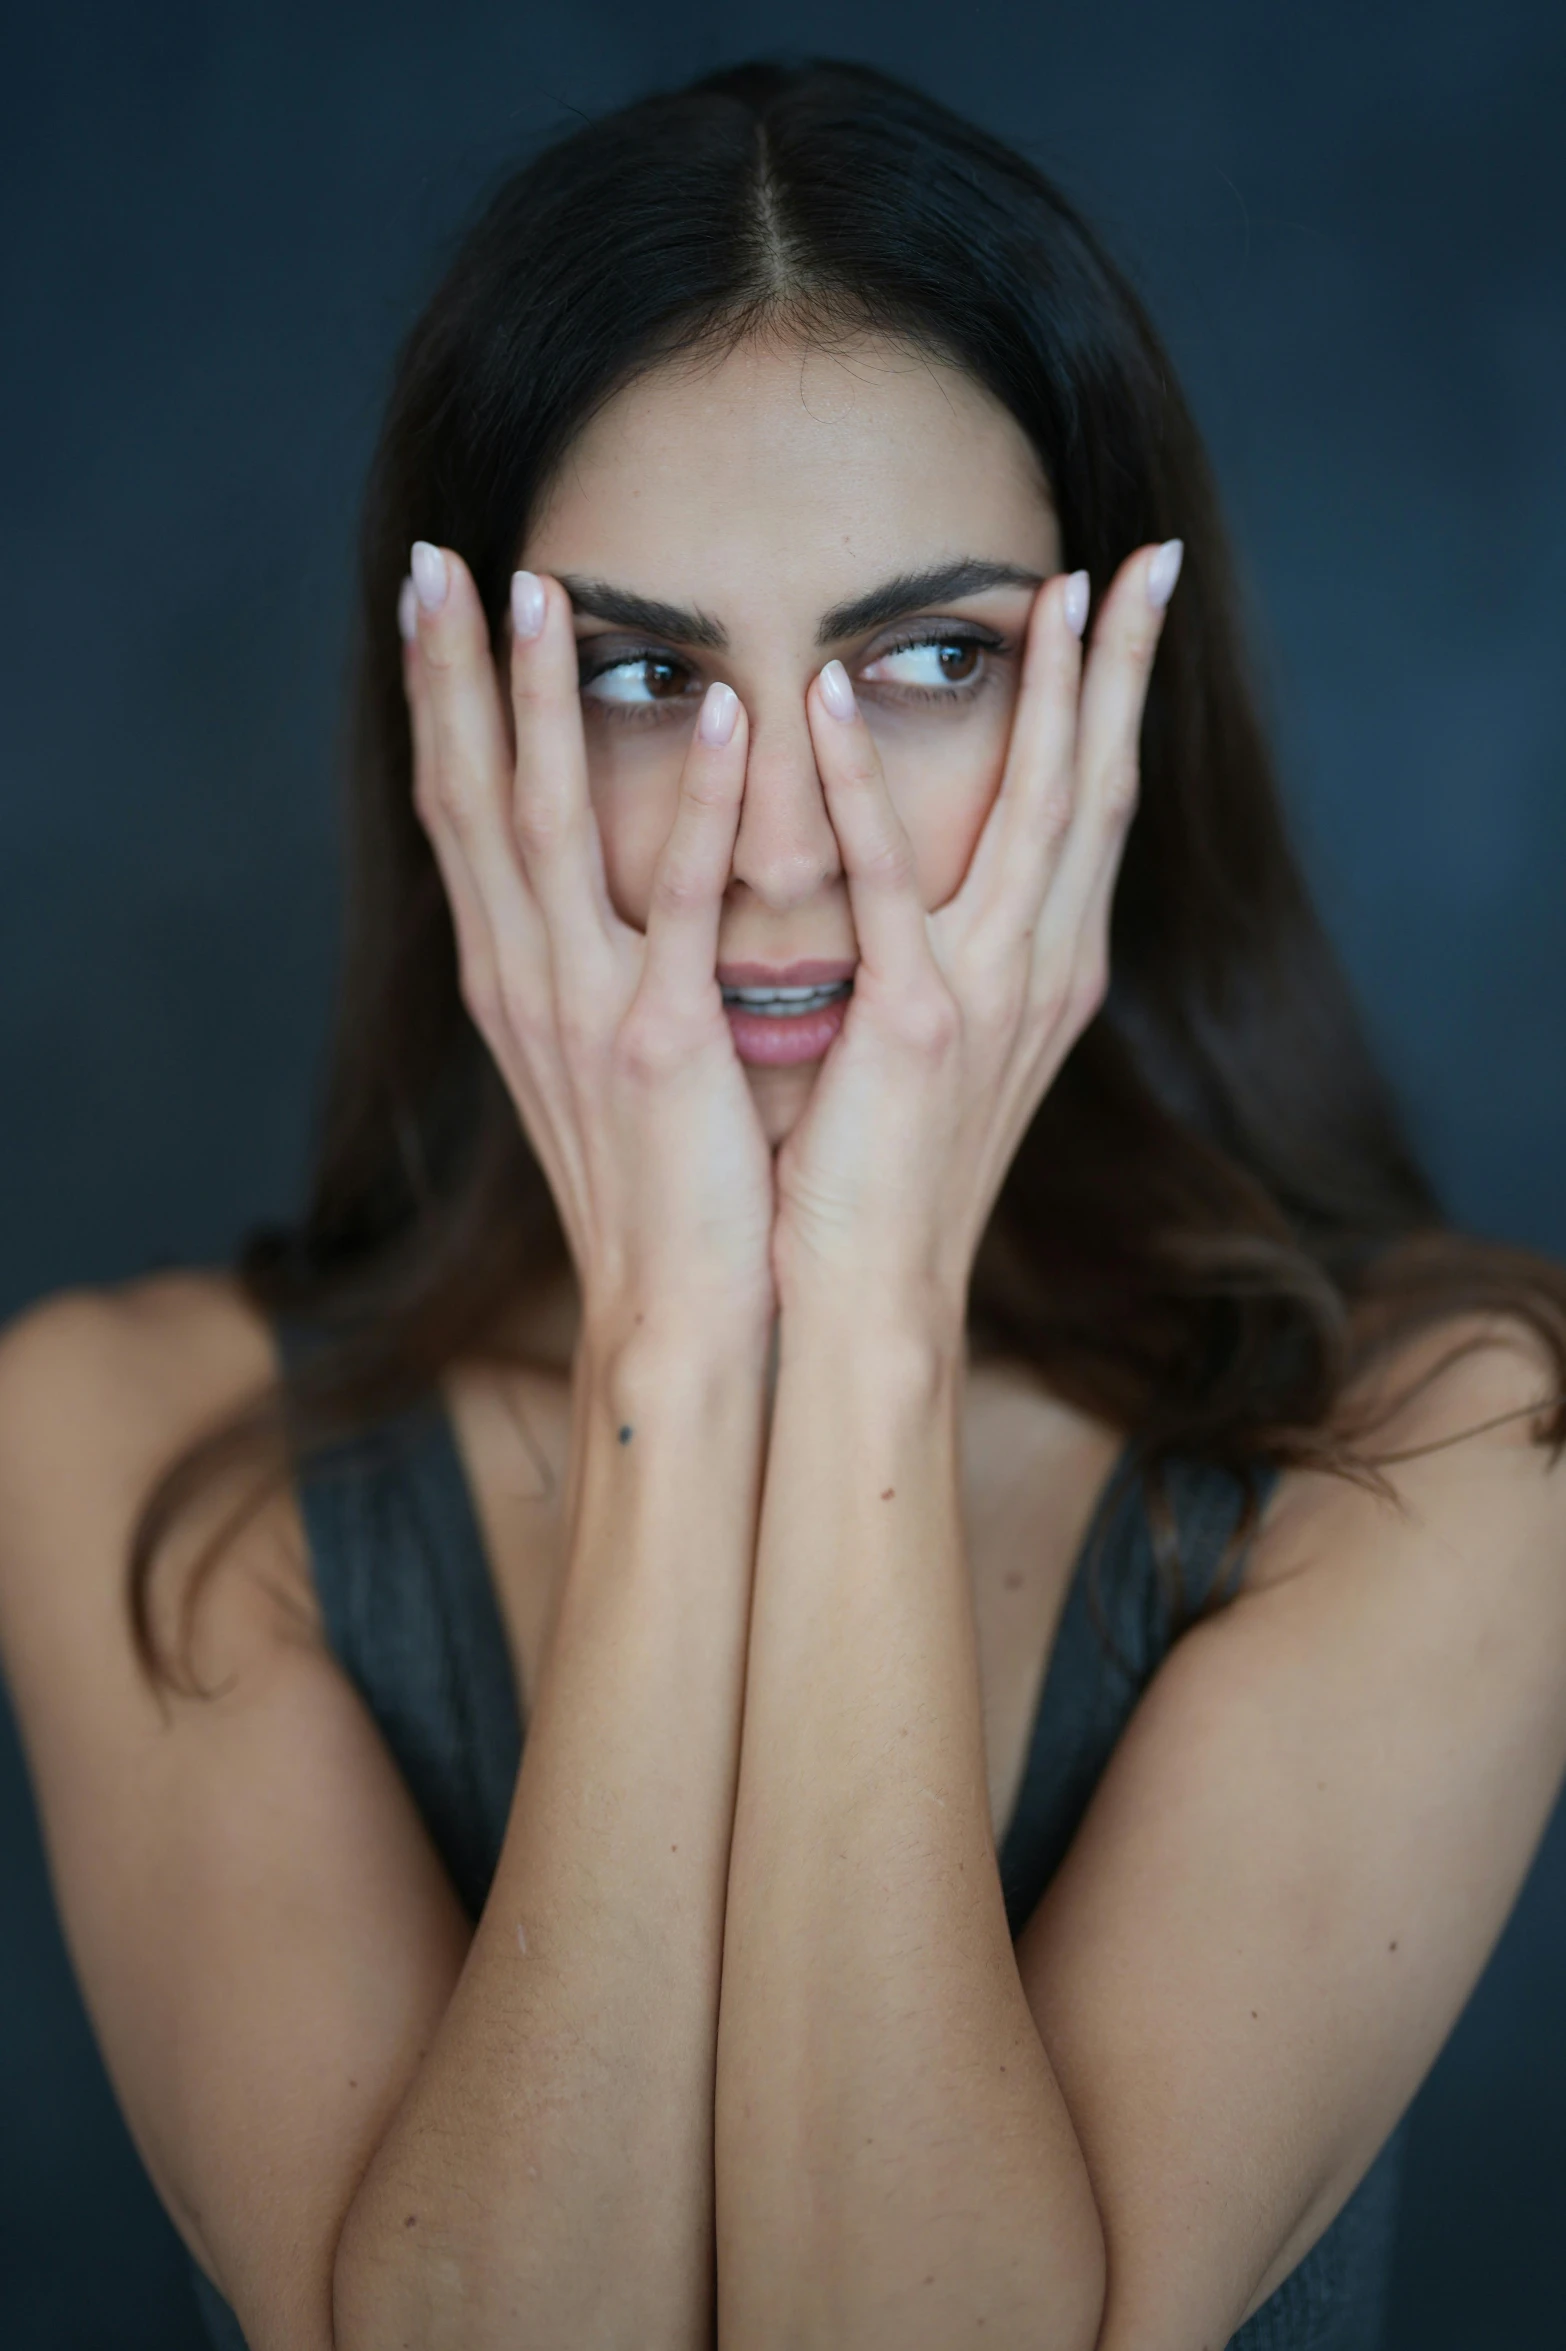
{"x":773,"y":1026}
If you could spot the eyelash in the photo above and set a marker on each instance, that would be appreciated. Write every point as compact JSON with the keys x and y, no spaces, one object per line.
{"x":967,"y":689}
{"x":651,"y":713}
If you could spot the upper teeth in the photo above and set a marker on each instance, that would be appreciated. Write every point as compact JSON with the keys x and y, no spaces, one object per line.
{"x":779,"y":1001}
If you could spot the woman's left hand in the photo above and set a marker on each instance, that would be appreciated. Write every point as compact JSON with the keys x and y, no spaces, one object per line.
{"x":960,"y":1018}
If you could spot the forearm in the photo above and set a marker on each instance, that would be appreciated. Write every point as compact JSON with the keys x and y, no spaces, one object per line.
{"x":894,"y":2159}
{"x":556,"y":2146}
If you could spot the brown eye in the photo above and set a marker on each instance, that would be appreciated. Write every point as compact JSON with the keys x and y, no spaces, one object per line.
{"x":638,"y":680}
{"x":931,"y":666}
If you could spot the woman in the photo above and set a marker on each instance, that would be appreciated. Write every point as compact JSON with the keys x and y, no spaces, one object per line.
{"x":856,"y":1250}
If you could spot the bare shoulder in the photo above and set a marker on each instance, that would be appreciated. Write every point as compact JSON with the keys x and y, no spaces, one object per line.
{"x":1455,"y":1413}
{"x":1309,"y":1839}
{"x":263,"y":1933}
{"x":165,"y":1348}
{"x":100,"y":1389}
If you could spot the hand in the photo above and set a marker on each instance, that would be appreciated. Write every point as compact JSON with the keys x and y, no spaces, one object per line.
{"x":960,"y":1018}
{"x":613,"y":1044}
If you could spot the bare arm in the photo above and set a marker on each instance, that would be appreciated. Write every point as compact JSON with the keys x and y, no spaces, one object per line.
{"x":896,"y":2162}
{"x":551,"y":2167}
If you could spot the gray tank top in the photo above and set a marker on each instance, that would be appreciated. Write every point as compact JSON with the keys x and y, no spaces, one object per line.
{"x":413,"y":1619}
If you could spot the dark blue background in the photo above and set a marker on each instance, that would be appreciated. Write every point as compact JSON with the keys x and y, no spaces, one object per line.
{"x":216,"y":223}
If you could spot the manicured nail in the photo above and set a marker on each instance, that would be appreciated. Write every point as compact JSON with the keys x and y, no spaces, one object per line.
{"x":408,"y":611}
{"x":430,"y":576}
{"x":719,"y":714}
{"x":528,"y":604}
{"x":1163,"y":571}
{"x":1075,"y":602}
{"x":836,"y":692}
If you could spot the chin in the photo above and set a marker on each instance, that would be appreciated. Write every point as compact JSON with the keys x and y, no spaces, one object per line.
{"x":780,"y":1095}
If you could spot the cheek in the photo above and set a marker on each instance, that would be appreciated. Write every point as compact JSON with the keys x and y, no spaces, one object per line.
{"x":943,"y":780}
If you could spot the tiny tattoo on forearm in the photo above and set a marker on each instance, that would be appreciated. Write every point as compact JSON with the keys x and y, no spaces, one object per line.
{"x":626,"y":1434}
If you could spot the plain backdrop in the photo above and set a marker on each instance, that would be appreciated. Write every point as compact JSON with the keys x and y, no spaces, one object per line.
{"x":218,"y":221}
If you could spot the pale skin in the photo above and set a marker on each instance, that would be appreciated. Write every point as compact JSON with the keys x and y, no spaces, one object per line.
{"x":741,"y":2050}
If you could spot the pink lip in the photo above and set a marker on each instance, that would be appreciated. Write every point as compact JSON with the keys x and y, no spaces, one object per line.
{"x":773,"y":1044}
{"x":785,"y":975}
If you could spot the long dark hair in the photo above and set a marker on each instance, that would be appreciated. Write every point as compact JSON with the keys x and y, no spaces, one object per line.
{"x":1216,"y":1218}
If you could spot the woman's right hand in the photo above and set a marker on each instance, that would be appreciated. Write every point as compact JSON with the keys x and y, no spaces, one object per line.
{"x":612,"y":1042}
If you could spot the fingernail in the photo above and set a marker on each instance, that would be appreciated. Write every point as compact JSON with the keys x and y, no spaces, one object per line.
{"x":836,"y":692}
{"x":1075,"y":602}
{"x":719,"y":714}
{"x":528,"y":604}
{"x":430,"y":579}
{"x":1163,"y":571}
{"x":408,"y":611}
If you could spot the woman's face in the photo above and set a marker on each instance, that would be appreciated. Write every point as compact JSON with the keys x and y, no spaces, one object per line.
{"x":749,"y":520}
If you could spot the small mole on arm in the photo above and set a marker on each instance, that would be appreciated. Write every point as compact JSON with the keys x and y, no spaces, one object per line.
{"x":887,"y":1496}
{"x":1391,"y":1946}
{"x":411,"y":2219}
{"x":626,"y":1434}
{"x":1013,"y":1580}
{"x":352,"y":2084}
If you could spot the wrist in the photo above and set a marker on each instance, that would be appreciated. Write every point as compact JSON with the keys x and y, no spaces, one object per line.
{"x":632,"y":1366}
{"x":916,"y":1323}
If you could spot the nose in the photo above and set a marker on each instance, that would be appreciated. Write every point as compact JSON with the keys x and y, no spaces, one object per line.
{"x":785,"y":850}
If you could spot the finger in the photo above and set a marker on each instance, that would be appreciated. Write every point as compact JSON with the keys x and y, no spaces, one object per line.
{"x":466,"y":756}
{"x":503,"y":967}
{"x":1109,"y":728}
{"x":476,"y":953}
{"x":878,"y":863}
{"x":551,"y":810}
{"x":698,"y":857}
{"x":1022,"y":836}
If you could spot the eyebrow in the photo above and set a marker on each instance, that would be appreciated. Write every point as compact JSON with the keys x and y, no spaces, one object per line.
{"x":624,"y":609}
{"x":911,"y":591}
{"x":908,"y":591}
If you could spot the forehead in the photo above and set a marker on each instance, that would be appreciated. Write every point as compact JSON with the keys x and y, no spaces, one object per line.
{"x":819,"y":468}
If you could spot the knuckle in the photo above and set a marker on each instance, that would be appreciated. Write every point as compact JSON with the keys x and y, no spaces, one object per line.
{"x":1051,"y":996}
{"x":1121,"y":786}
{"x":538,"y":825}
{"x":708,"y":786}
{"x":1055,"y":810}
{"x":929,"y":1021}
{"x":680,"y":886}
{"x":1139,"y":639}
{"x":647,"y":1045}
{"x":1089,"y":987}
{"x":524,"y":1011}
{"x":888,"y":862}
{"x":994,"y":993}
{"x":577,"y":1029}
{"x":476,"y":982}
{"x":451,"y":800}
